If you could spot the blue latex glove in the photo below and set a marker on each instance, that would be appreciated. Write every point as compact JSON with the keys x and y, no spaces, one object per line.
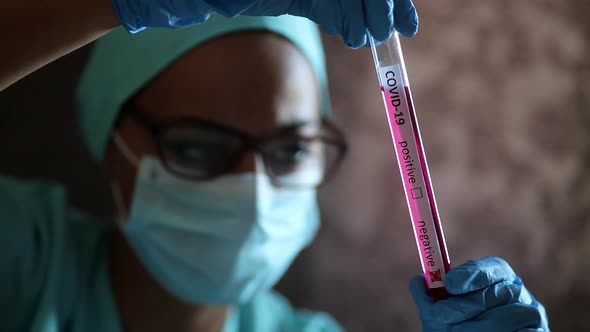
{"x":487,"y":297}
{"x":349,"y":18}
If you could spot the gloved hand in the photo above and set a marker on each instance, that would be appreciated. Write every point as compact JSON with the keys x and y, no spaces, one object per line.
{"x":487,"y":297}
{"x":349,"y":18}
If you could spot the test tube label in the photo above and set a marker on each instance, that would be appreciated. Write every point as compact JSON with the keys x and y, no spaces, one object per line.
{"x":411,"y":164}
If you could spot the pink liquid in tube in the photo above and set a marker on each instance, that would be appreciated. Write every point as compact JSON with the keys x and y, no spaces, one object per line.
{"x":412,"y":163}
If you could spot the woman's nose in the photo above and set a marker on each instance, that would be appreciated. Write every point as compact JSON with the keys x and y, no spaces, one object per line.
{"x":247,"y":164}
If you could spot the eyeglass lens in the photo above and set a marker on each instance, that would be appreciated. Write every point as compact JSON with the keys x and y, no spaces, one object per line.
{"x":203,"y":152}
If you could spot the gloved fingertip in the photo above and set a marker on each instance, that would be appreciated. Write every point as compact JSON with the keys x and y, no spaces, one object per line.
{"x":352,"y":45}
{"x":478,"y":274}
{"x":406,"y":19}
{"x":382,"y":37}
{"x":377,"y":43}
{"x":410,"y":28}
{"x":368,"y":38}
{"x":356,"y":44}
{"x":128,"y":19}
{"x":419,"y":291}
{"x":379,"y":19}
{"x":417,"y":283}
{"x":409,"y":33}
{"x":382,"y":32}
{"x":530,"y":314}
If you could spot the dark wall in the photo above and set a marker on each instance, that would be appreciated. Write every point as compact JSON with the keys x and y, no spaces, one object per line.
{"x":39,"y":136}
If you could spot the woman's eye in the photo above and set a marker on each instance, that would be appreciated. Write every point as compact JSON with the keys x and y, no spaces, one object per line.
{"x":194,"y":152}
{"x":292,"y":153}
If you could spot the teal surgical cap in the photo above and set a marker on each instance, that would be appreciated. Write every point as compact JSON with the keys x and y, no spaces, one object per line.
{"x":121,"y":64}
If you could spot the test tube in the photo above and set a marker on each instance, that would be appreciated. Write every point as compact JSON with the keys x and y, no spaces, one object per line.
{"x":403,"y":124}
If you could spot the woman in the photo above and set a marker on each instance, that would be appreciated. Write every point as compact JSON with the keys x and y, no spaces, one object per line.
{"x":214,"y":139}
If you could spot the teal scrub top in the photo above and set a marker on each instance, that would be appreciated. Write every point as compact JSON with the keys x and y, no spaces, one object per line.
{"x":54,"y":276}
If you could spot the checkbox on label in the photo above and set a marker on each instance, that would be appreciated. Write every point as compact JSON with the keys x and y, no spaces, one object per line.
{"x":417,"y":193}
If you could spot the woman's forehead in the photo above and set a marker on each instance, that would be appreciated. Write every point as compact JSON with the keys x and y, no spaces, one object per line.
{"x":254,"y":81}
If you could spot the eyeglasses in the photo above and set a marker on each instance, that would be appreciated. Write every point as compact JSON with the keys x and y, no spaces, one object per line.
{"x":300,"y":156}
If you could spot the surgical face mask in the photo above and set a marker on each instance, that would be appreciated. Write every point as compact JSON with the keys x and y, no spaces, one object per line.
{"x":220,"y":241}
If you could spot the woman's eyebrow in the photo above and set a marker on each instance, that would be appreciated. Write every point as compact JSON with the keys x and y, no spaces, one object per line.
{"x":295,"y":128}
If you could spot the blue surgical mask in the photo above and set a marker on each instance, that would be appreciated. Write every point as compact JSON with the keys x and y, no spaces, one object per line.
{"x":219,"y":241}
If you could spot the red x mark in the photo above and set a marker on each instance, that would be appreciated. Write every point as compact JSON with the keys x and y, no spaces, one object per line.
{"x":435,"y":276}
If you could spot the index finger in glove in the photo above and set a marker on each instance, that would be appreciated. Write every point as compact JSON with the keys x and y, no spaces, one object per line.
{"x":379,"y":15}
{"x":354,"y":26}
{"x":468,"y":306}
{"x":405,"y":17}
{"x":478,"y":274}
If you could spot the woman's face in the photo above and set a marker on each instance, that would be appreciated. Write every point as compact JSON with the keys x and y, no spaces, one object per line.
{"x":255,"y":82}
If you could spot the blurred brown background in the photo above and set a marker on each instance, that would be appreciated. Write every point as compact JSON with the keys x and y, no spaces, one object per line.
{"x":502,"y":90}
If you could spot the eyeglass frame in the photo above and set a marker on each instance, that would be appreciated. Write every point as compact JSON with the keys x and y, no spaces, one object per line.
{"x":251,"y":143}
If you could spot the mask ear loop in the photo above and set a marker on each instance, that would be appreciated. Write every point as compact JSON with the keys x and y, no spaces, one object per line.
{"x":115,"y":186}
{"x":118,"y":198}
{"x":125,"y":150}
